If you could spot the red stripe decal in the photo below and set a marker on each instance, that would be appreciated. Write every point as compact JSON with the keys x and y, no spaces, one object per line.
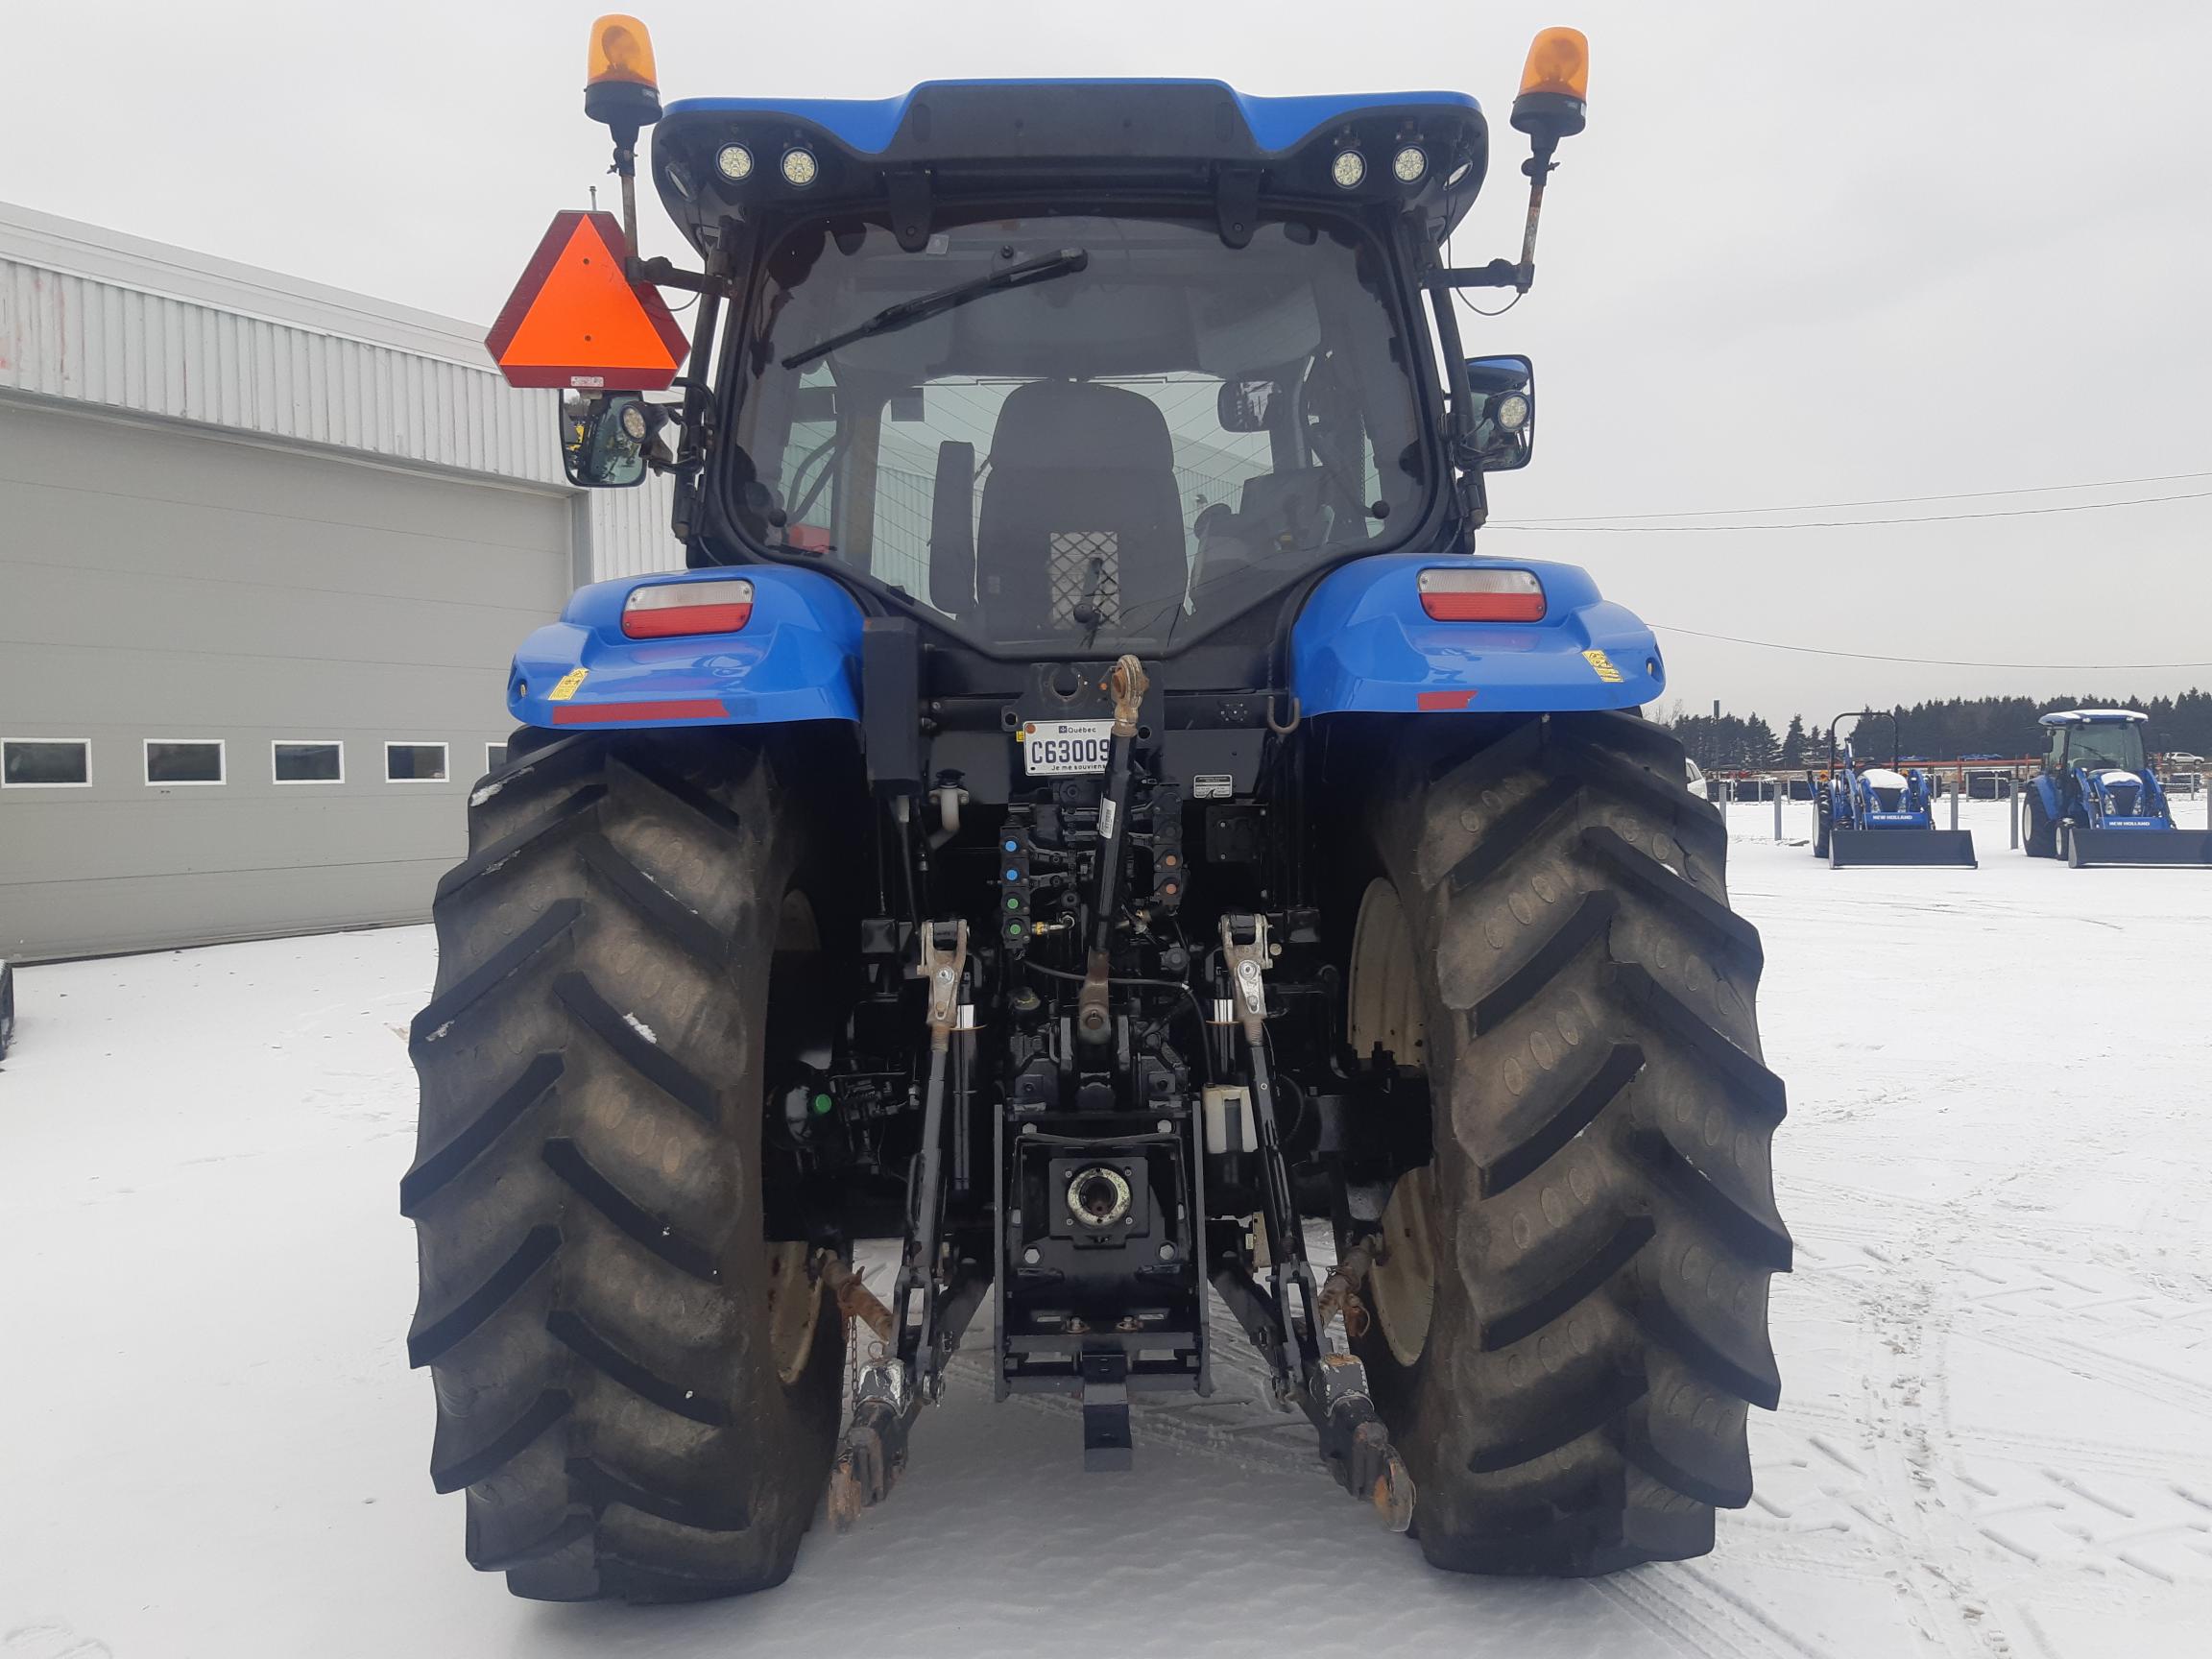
{"x":674,"y":708}
{"x":1442,"y":699}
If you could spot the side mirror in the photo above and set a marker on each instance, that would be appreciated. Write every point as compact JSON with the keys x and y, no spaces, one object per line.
{"x":1244,"y":405}
{"x":606,"y":438}
{"x":1503,"y":393}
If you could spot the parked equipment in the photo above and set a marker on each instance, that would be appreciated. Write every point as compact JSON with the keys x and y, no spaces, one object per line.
{"x":1087,"y":811}
{"x":2098,"y":802}
{"x":1879,"y":815}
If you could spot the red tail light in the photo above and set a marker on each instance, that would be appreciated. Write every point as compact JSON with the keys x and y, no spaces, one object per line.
{"x":1482,"y":595}
{"x":718,"y":605}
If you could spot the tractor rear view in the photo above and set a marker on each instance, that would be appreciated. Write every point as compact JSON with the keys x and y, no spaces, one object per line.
{"x":1089,"y":814}
{"x":1879,"y":815}
{"x":2098,"y":800}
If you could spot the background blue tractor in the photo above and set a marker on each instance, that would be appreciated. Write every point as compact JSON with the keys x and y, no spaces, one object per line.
{"x":2097,"y":800}
{"x":1086,"y":814}
{"x":1879,"y":815}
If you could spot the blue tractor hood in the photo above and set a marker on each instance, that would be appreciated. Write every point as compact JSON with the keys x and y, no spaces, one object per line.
{"x":1050,"y":141}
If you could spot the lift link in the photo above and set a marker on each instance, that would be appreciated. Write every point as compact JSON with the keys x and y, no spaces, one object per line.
{"x":944,"y":962}
{"x":1288,"y":1326}
{"x":1128,"y":683}
{"x":892,"y":1387}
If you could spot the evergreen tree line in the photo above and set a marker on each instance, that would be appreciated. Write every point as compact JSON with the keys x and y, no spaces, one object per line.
{"x":1946,"y":731}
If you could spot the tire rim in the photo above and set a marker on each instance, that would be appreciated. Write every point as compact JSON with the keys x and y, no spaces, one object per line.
{"x":1387,"y":1010}
{"x":1403,"y":1285}
{"x":794,"y":1288}
{"x":794,"y":1305}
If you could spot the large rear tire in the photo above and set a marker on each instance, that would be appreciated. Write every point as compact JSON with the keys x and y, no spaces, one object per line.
{"x":1571,"y":1315}
{"x":637,"y":1389}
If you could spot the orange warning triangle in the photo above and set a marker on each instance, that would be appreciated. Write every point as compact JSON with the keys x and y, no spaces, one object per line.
{"x":576,"y":322}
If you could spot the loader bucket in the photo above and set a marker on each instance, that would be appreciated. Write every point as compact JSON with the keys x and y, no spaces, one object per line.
{"x":1849,"y":849}
{"x":2183,"y":847}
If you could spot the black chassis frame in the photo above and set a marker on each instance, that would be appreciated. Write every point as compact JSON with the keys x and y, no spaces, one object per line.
{"x":1236,"y":823}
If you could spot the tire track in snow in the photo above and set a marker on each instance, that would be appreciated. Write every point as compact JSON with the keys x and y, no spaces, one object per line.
{"x":1703,"y":1616}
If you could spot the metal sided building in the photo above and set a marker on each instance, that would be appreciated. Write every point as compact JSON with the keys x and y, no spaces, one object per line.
{"x":265,"y":549}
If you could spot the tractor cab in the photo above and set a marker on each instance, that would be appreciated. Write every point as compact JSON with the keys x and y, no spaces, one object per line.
{"x":1068,"y":370}
{"x":2100,"y":739}
{"x":1121,"y":432}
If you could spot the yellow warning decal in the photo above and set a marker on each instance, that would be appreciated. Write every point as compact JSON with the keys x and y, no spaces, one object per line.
{"x":1597,"y":660}
{"x":574,"y":678}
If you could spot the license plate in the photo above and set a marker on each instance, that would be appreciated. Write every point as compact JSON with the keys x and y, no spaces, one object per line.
{"x":1065,"y":748}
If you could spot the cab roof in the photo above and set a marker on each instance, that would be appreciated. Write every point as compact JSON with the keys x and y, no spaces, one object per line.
{"x":2092,"y":717}
{"x":874,"y":126}
{"x":991,"y":138}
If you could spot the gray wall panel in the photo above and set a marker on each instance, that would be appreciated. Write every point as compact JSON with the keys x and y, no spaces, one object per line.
{"x":159,"y":583}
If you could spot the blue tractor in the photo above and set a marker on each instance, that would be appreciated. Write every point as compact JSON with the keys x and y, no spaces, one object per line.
{"x":1882,"y":815}
{"x":2097,"y":800}
{"x":1089,"y":814}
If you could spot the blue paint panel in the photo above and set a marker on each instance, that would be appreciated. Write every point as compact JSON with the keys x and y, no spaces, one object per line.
{"x":868,"y":125}
{"x":1363,"y":642}
{"x":798,"y":657}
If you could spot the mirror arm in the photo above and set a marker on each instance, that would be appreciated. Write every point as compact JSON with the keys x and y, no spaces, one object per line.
{"x":1519,"y":275}
{"x":1497,"y":273}
{"x":625,"y":169}
{"x":1538,"y":167}
{"x":660,"y":273}
{"x":695,"y":415}
{"x":1459,"y":426}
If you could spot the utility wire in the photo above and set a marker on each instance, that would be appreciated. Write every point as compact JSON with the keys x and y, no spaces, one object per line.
{"x":1536,"y":529}
{"x":1876,"y":501}
{"x":1930,"y":662}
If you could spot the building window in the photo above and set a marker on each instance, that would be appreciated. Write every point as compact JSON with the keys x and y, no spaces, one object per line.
{"x":45,"y":762}
{"x":415,"y":762}
{"x":183,"y":760}
{"x":316,"y":762}
{"x":495,"y":756}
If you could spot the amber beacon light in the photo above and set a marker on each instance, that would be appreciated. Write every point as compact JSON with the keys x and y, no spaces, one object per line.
{"x":1554,"y":85}
{"x":621,"y":87}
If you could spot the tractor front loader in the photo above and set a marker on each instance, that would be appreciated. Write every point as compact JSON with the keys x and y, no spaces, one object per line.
{"x":1089,"y":813}
{"x":1879,"y":815}
{"x":2098,"y":800}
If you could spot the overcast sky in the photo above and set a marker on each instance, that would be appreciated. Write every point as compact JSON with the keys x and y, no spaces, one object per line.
{"x":1804,"y":253}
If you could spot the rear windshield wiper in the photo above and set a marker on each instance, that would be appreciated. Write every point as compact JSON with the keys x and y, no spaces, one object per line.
{"x":908,"y":312}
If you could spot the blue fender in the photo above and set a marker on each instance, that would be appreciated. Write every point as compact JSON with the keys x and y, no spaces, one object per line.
{"x":2047,"y":792}
{"x":1363,"y":642}
{"x":797,"y":657}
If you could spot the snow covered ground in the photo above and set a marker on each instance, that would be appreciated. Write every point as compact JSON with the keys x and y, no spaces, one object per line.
{"x":1996,"y":1437}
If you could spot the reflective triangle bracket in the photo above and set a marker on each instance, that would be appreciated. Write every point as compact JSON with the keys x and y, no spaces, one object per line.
{"x":576,"y":323}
